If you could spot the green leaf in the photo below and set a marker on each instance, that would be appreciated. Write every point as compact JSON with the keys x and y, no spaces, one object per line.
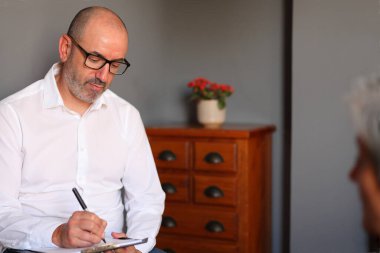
{"x":221,"y":103}
{"x":194,"y":96}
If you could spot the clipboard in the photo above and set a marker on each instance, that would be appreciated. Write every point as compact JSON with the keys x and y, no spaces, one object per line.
{"x":111,"y":244}
{"x":114,"y":244}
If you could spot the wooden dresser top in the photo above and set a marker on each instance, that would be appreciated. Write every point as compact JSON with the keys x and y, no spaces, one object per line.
{"x":225,"y":131}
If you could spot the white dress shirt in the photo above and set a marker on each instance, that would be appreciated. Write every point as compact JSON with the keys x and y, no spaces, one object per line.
{"x":47,"y":149}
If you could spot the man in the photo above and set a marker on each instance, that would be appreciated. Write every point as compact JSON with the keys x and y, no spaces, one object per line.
{"x":68,"y":130}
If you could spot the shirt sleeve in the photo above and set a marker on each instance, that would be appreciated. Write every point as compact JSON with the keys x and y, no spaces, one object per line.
{"x":144,"y":197}
{"x":17,"y":229}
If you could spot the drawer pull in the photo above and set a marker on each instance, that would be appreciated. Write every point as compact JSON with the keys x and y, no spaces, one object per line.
{"x":214,"y":227}
{"x":213,"y":192}
{"x":168,"y":222}
{"x":167,"y":155}
{"x":169,"y":188}
{"x":214,"y":158}
{"x":168,"y":250}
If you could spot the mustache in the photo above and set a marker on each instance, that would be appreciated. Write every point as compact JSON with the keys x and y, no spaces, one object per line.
{"x":96,"y":81}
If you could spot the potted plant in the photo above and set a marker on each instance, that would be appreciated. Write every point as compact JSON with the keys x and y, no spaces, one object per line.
{"x":211,"y":100}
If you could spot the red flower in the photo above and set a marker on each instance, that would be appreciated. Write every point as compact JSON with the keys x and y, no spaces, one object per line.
{"x":214,"y":86}
{"x":200,"y":83}
{"x":226,"y":88}
{"x":204,"y":89}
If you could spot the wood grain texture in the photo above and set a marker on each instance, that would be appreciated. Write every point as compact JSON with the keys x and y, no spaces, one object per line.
{"x":244,"y":178}
{"x":180,"y":244}
{"x":226,"y":185}
{"x":225,"y":150}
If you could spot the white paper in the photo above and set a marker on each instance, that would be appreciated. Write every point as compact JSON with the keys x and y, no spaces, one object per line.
{"x":111,"y":244}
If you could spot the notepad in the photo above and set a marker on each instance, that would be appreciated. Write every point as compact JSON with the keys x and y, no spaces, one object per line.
{"x":110,"y":245}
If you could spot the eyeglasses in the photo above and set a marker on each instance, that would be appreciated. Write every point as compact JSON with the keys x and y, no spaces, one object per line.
{"x":97,"y":61}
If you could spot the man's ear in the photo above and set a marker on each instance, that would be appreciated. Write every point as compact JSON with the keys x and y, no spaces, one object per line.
{"x":64,"y":47}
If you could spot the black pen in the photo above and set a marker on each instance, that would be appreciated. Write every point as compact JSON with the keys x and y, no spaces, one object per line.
{"x":82,"y":204}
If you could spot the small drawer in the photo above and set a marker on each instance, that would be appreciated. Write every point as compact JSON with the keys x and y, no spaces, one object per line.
{"x":173,"y":244}
{"x":198,"y":221}
{"x":215,"y":190}
{"x":171,"y":154}
{"x":215,"y":156}
{"x":175,"y":185}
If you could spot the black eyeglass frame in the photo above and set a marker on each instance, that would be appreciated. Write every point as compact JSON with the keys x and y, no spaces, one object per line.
{"x":87,"y":54}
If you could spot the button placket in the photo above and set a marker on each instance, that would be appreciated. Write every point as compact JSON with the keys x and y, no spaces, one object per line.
{"x":82,"y":154}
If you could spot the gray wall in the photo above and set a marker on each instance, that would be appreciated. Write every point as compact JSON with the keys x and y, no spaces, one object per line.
{"x":237,"y":42}
{"x":334,"y":42}
{"x":171,"y":42}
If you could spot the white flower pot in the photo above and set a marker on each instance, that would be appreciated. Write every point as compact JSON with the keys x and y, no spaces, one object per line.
{"x":209,"y":113}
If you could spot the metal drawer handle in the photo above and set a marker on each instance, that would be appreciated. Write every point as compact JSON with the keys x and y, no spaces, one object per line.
{"x":168,"y":250}
{"x":214,"y":227}
{"x":213,"y":192}
{"x":168,"y":188}
{"x":214,"y":158}
{"x":167,"y":155}
{"x":168,"y":222}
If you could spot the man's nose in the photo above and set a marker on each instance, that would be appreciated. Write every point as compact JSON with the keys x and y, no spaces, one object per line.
{"x":103,"y":72}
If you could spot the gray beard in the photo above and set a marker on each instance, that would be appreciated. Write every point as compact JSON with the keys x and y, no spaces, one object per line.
{"x":78,"y":89}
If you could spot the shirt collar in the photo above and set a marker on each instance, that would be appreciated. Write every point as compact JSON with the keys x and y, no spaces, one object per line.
{"x":99,"y":103}
{"x":52,"y":98}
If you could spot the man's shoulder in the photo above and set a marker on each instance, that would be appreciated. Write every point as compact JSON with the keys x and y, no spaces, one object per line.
{"x":118,"y":101}
{"x":27,"y":92}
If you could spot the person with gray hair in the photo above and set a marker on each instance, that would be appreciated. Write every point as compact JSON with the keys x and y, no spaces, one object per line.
{"x":68,"y":131}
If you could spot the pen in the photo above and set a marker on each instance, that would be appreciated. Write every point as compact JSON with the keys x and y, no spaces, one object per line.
{"x":82,"y":204}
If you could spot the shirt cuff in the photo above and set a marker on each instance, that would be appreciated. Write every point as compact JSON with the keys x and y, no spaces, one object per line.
{"x":146,"y":247}
{"x":41,"y":237}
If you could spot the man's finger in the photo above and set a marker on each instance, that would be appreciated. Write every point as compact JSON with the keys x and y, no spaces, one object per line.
{"x":117,"y":235}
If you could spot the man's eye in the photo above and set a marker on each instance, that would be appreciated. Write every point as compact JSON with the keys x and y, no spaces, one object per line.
{"x":116,"y":64}
{"x":94,"y":58}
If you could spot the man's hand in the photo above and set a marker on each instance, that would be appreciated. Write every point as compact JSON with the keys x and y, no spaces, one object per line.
{"x":130,"y":249}
{"x":83,"y":229}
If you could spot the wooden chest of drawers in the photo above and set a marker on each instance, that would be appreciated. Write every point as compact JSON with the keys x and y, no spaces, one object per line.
{"x":218,"y":188}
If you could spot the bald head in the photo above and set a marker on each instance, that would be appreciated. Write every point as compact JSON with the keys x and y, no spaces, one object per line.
{"x":95,"y":35}
{"x":83,"y":18}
